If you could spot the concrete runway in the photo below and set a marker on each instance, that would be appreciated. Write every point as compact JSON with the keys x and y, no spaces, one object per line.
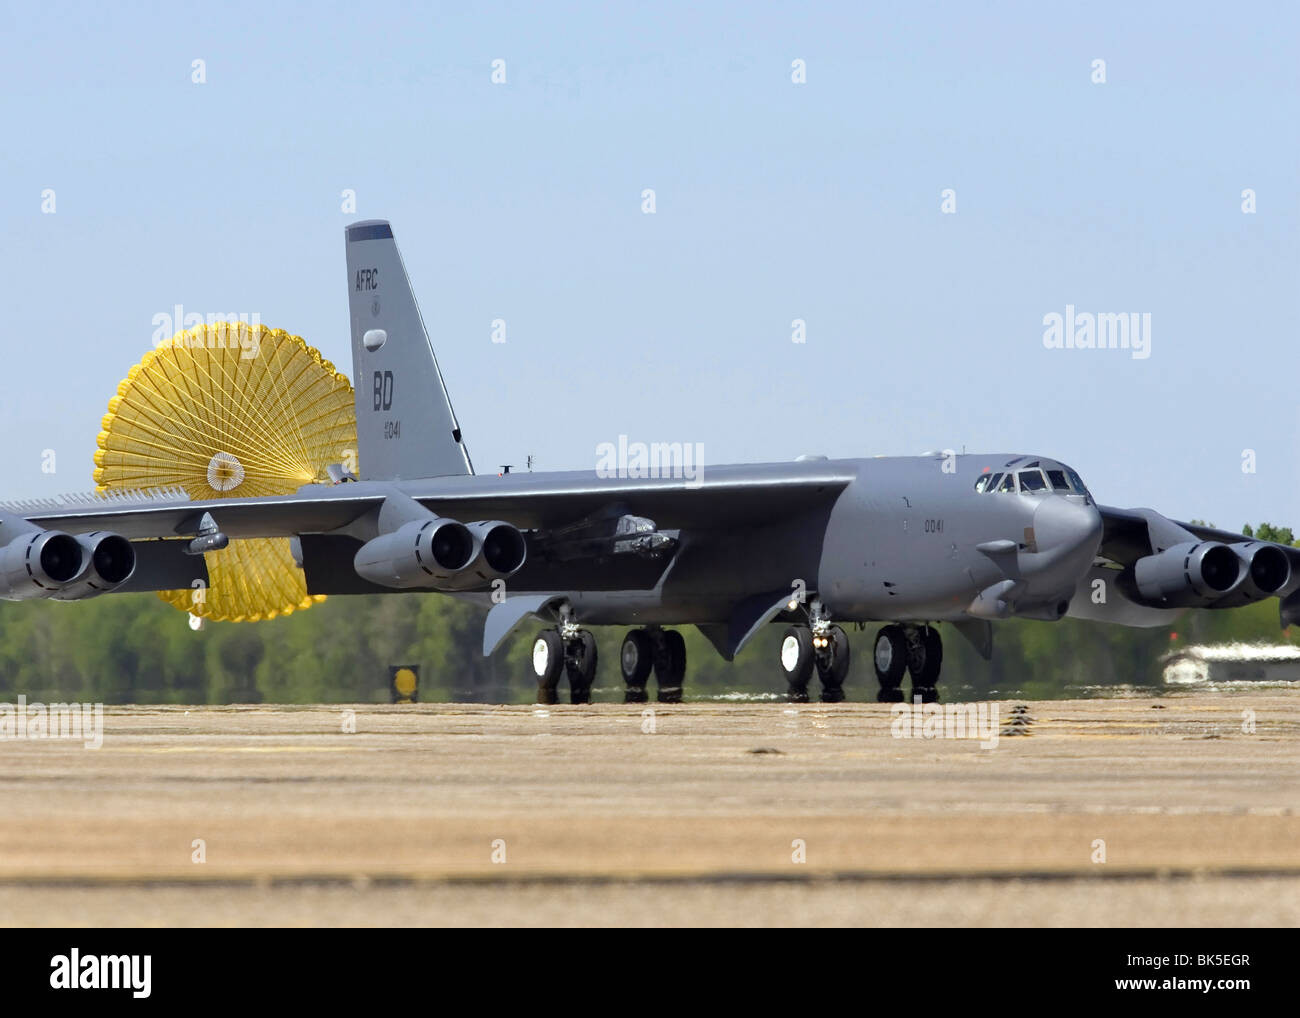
{"x":466,"y":814}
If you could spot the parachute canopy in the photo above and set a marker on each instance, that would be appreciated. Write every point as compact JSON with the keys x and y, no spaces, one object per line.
{"x":231,"y":410}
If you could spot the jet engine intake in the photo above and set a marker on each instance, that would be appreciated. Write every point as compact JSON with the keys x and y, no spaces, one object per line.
{"x":38,"y":564}
{"x":499,"y":551}
{"x":1266,"y":570}
{"x":107,"y":563}
{"x":1190,"y":575}
{"x":421,"y":553}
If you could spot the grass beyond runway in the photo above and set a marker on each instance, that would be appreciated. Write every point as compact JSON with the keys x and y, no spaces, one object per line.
{"x":690,"y":814}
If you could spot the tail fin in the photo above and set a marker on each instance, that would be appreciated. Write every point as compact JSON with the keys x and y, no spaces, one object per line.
{"x":406,"y":427}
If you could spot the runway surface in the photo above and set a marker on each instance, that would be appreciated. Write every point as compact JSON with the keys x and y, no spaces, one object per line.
{"x":1139,"y":811}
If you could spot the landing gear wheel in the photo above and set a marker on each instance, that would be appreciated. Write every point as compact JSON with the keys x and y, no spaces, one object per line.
{"x":925,"y":659}
{"x":548,"y":662}
{"x":580,"y":665}
{"x":635,"y":660}
{"x":797,"y":661}
{"x":890,"y":659}
{"x":670,"y":665}
{"x":833,"y":665}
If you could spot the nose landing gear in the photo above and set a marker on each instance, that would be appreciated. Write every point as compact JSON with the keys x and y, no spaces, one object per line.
{"x":819,"y":645}
{"x":567,"y":649}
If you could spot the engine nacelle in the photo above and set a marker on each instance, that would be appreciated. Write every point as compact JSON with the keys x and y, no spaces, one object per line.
{"x":1267,"y":570}
{"x":39,"y":564}
{"x":1191,"y":575}
{"x":500,"y":550}
{"x":107,"y":563}
{"x":421,"y":553}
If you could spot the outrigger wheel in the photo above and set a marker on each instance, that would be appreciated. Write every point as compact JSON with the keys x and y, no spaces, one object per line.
{"x":231,"y":411}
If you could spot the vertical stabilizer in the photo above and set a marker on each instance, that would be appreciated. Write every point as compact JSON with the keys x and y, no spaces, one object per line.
{"x":406,"y":427}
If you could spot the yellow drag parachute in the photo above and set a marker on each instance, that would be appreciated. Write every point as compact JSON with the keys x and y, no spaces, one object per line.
{"x":231,"y":411}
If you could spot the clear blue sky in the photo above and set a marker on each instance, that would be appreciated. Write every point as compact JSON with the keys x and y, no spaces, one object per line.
{"x":775,"y":201}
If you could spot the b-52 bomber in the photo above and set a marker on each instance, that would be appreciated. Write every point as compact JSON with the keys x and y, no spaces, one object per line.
{"x":914,"y":543}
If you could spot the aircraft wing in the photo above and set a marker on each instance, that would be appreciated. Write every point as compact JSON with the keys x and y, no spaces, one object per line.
{"x":1132,"y":534}
{"x":723,"y":497}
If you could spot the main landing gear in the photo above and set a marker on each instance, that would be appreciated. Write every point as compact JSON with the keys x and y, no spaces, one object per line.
{"x":567,"y":649}
{"x":915,"y":649}
{"x":819,"y":645}
{"x":660,"y":650}
{"x":570,"y":650}
{"x":899,"y":648}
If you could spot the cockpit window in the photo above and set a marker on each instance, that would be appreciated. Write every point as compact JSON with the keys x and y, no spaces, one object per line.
{"x":1032,"y":478}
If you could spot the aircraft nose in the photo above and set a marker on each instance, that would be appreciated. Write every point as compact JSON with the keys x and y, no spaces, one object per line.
{"x":1063,"y":525}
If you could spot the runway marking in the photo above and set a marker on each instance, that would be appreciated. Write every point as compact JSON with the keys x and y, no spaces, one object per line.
{"x":234,"y":749}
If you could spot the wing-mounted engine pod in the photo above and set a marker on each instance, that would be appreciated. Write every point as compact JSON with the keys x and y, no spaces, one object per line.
{"x":39,"y":564}
{"x":1270,"y":568}
{"x":500,"y":551}
{"x":1194,"y":574}
{"x":1266,"y":570}
{"x":421,"y":553}
{"x":503,"y":546}
{"x":107,"y":563}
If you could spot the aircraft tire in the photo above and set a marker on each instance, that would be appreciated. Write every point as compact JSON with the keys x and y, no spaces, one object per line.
{"x":580,"y":665}
{"x":796,"y":659}
{"x":670,"y":666}
{"x":925,"y":660}
{"x":635,"y":661}
{"x":548,"y":663}
{"x":890,"y":658}
{"x":833,"y":669}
